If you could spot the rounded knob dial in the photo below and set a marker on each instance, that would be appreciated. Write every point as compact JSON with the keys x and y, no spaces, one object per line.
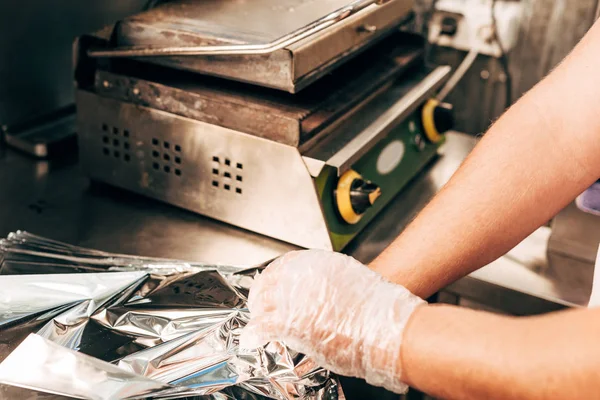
{"x":354,"y":196}
{"x":438,"y":118}
{"x":449,"y":26}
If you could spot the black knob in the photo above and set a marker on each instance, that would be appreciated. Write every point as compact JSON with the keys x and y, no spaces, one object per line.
{"x":449,"y":26}
{"x":443,"y":117}
{"x":363,"y":195}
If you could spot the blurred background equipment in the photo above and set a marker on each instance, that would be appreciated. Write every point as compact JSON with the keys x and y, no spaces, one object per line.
{"x":535,"y":35}
{"x":36,"y":67}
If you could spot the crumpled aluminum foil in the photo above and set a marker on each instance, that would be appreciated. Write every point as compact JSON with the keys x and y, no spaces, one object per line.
{"x":87,"y":324}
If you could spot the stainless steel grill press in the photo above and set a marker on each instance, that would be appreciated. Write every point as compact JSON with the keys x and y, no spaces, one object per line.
{"x":296,"y":119}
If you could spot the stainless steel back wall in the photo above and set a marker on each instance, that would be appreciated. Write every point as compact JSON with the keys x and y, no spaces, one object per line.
{"x":36,"y":39}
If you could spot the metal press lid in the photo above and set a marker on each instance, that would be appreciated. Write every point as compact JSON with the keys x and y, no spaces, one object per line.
{"x":282,"y":44}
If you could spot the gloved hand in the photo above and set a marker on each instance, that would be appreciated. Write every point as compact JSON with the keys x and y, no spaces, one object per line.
{"x":335,"y":310}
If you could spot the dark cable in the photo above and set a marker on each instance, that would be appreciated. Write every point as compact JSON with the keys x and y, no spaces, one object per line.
{"x":504,"y":61}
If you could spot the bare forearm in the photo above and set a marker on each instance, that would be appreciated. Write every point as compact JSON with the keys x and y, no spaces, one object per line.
{"x":511,"y":184}
{"x":539,"y":156}
{"x":455,"y":353}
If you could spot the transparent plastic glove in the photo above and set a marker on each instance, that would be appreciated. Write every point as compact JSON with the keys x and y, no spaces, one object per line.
{"x":335,"y":310}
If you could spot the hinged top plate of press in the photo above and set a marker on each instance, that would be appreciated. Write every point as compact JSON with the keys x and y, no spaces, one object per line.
{"x":282,"y":44}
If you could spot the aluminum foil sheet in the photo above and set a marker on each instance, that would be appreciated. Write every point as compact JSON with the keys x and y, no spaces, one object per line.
{"x":86,"y":324}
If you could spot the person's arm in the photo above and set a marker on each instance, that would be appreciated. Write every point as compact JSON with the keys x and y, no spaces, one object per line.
{"x":352,"y":321}
{"x":537,"y":158}
{"x":454,"y":353}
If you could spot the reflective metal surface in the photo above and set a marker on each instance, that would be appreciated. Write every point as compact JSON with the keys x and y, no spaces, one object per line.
{"x":388,"y":120}
{"x":576,"y":234}
{"x":218,"y":172}
{"x":55,"y":200}
{"x":522,"y":283}
{"x":160,"y":328}
{"x":43,"y":365}
{"x":187,"y":23}
{"x":52,"y":135}
{"x":304,"y":32}
{"x":278,"y":116}
{"x":572,"y":249}
{"x":238,"y":178}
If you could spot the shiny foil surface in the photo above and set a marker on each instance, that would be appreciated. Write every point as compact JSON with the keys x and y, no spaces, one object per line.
{"x":81,"y":323}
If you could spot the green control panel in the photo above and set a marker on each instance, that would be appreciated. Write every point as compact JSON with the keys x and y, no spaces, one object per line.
{"x":352,"y":200}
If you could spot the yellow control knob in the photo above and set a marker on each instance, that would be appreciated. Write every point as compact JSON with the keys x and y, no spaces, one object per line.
{"x":438,"y":118}
{"x":354,"y":196}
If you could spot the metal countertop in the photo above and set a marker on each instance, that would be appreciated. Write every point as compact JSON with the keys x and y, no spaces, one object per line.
{"x":56,"y":200}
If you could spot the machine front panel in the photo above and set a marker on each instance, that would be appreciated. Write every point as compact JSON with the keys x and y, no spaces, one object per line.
{"x":253,"y":183}
{"x":391,"y":164}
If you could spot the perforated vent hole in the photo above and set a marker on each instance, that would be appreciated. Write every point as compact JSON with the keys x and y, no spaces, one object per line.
{"x":167,"y":157}
{"x":118,"y":146}
{"x":227,"y":174}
